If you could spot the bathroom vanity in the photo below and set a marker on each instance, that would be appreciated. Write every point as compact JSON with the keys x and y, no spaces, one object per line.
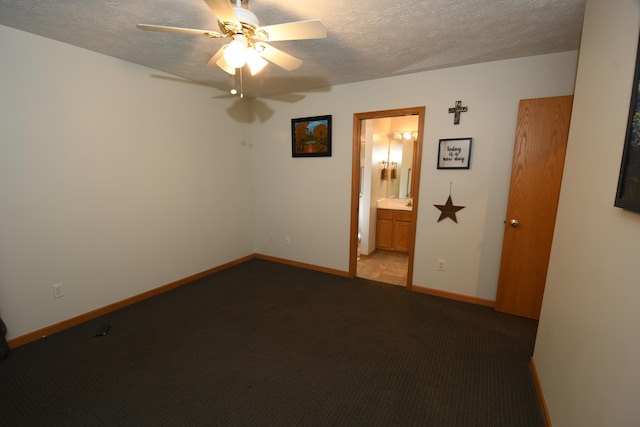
{"x":393,"y":224}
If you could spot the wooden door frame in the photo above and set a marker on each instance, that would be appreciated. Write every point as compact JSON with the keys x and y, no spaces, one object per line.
{"x":358,"y":118}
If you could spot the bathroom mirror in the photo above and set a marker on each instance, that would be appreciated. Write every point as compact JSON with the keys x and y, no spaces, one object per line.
{"x":396,"y":168}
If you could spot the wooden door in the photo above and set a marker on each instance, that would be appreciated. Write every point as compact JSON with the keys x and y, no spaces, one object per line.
{"x":536,"y":175}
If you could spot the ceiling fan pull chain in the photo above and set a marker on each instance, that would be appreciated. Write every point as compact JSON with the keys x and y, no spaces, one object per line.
{"x":233,"y":89}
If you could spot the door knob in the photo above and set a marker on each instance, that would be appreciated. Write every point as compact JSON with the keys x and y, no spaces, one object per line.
{"x":514,"y":223}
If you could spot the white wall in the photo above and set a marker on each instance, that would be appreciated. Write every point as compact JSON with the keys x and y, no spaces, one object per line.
{"x":309,"y":198}
{"x":588,"y":348}
{"x":112,"y":182}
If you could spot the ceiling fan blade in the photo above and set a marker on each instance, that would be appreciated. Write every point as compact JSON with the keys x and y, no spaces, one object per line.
{"x":214,"y":58}
{"x":218,"y":60}
{"x":299,"y":30}
{"x":280,"y":58}
{"x":223,"y":11}
{"x":162,"y":28}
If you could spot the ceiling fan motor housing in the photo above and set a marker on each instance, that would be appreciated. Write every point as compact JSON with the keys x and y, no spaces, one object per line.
{"x":246,"y":17}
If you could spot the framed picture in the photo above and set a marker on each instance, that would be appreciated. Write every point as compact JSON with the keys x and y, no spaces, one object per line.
{"x":311,"y":136}
{"x":454,"y":153}
{"x":628,"y":194}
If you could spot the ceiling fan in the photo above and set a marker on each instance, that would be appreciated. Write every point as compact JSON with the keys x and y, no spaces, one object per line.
{"x":248,"y":39}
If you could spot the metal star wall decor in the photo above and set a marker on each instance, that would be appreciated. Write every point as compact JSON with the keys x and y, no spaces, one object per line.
{"x":448,"y":210}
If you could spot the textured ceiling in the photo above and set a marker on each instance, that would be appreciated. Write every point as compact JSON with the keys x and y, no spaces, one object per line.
{"x":368,"y":39}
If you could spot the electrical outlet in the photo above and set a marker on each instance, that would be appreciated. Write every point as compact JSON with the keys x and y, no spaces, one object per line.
{"x":270,"y":238}
{"x":58,"y":291}
{"x":287,"y":240}
{"x":441,"y":265}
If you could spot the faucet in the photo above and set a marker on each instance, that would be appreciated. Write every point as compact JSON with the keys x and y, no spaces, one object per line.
{"x":410,"y":202}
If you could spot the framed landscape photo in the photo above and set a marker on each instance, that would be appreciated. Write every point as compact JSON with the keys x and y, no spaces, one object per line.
{"x":628,"y":193}
{"x":311,"y":136}
{"x":454,"y":153}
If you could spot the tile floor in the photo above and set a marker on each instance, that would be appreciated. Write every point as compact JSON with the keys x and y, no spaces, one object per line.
{"x":387,"y":267}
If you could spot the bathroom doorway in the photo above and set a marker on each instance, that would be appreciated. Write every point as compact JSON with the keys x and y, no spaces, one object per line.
{"x":386,"y":158}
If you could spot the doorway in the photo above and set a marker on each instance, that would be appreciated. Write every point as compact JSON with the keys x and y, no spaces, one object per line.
{"x":382,"y":165}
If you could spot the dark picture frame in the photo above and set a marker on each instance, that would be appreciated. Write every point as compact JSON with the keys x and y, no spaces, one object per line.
{"x":628,"y":193}
{"x":454,"y":153}
{"x":311,"y":136}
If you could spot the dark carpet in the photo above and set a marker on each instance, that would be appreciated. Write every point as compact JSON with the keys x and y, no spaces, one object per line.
{"x":264,"y":343}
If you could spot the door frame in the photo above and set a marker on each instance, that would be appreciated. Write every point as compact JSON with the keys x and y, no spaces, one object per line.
{"x":358,"y":118}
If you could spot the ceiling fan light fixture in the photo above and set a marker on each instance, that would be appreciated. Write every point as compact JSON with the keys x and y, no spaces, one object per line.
{"x":255,"y":62}
{"x":234,"y":53}
{"x":224,"y":65}
{"x":261,"y":34}
{"x":259,"y":47}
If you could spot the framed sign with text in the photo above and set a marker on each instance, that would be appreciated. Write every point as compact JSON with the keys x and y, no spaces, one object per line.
{"x":454,"y":153}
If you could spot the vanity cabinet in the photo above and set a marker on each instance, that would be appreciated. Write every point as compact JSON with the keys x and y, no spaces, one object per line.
{"x":392,"y":229}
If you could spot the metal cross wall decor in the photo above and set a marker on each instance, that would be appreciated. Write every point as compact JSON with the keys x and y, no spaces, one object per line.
{"x":457,"y":110}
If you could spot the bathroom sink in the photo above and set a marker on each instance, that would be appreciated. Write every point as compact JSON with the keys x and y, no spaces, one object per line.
{"x":397,"y":204}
